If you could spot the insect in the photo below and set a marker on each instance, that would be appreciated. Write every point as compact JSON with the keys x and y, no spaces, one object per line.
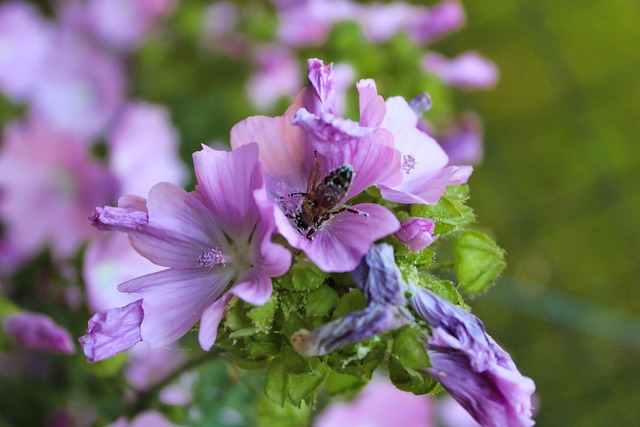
{"x":321,"y":200}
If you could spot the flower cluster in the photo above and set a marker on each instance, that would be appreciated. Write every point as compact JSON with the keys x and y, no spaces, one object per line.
{"x":329,"y":187}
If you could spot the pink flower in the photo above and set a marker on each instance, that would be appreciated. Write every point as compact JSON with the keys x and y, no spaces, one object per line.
{"x":144,"y":419}
{"x":424,"y":171}
{"x":278,"y":76}
{"x":417,"y":233}
{"x":38,"y":332}
{"x":380,"y":404}
{"x":82,"y":88}
{"x":49,"y":186}
{"x":207,"y":238}
{"x":469,"y":70}
{"x":25,"y":40}
{"x":462,"y":140}
{"x":350,"y":158}
{"x":143,"y":149}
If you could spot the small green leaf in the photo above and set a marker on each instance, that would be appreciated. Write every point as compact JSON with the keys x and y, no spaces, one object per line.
{"x":306,"y":276}
{"x":305,"y":387}
{"x":450,"y":214}
{"x":414,"y":381}
{"x":409,"y":348}
{"x":269,"y":414}
{"x":262,"y":316}
{"x":275,"y":386}
{"x":293,"y":362}
{"x":352,"y":301}
{"x":341,"y":384}
{"x":444,"y":289}
{"x":479,"y":261}
{"x":321,"y":301}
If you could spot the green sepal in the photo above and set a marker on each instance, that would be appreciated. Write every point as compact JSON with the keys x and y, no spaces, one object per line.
{"x":409,"y":348}
{"x":479,"y":261}
{"x":415,"y":381}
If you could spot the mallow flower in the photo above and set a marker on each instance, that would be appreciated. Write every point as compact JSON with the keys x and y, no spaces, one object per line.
{"x":218,"y":236}
{"x":314,"y":163}
{"x":39,"y":332}
{"x":471,"y":366}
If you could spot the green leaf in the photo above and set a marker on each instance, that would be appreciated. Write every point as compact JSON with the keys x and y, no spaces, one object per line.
{"x":293,"y":362}
{"x":352,"y":301}
{"x":305,"y":387}
{"x":414,"y":381}
{"x":321,"y":301}
{"x":341,"y":384}
{"x":269,"y":414}
{"x":262,"y":316}
{"x":275,"y":386}
{"x":479,"y":261}
{"x":305,"y":275}
{"x":450,"y":214}
{"x":444,"y":289}
{"x":409,"y":348}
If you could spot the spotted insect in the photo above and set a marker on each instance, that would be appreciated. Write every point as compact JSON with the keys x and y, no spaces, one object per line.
{"x":323,"y":196}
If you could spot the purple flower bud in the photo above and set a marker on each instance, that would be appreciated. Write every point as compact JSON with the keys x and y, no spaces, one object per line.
{"x":471,"y":366}
{"x":112,"y":331}
{"x":38,"y":332}
{"x":421,"y":103}
{"x":417,"y":233}
{"x":119,"y":219}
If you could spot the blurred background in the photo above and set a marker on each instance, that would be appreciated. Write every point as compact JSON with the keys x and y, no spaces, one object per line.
{"x":557,"y":185}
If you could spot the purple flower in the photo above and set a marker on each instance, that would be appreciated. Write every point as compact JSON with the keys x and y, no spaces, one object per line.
{"x":38,"y":332}
{"x":417,"y":233}
{"x":462,"y":140}
{"x":380,"y":404}
{"x":423,"y":167}
{"x":112,"y":331}
{"x":312,"y":158}
{"x":471,"y":366}
{"x":469,"y":70}
{"x":49,"y":184}
{"x":25,"y":40}
{"x":147,"y":418}
{"x":208,"y":238}
{"x":380,"y":280}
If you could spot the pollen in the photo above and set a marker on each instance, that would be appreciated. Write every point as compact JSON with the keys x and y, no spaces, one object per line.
{"x":408,"y":163}
{"x":210,"y":258}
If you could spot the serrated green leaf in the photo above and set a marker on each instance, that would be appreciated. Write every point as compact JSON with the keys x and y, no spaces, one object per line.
{"x":321,"y":301}
{"x":269,"y":414}
{"x":305,"y":275}
{"x":352,"y":301}
{"x":409,"y":348}
{"x":444,"y":289}
{"x":305,"y":387}
{"x":479,"y":261}
{"x":339,"y":384}
{"x":262,"y":316}
{"x":450,"y":214}
{"x":293,"y":362}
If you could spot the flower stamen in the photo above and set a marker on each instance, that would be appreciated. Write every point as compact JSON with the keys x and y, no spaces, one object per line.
{"x":210,"y":258}
{"x":408,"y":163}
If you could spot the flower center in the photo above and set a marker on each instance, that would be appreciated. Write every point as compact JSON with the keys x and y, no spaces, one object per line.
{"x":408,"y":163}
{"x":210,"y":258}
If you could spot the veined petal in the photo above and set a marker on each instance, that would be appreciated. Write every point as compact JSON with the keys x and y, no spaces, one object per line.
{"x":344,"y":240}
{"x":180,"y":228}
{"x":112,"y":331}
{"x":227,"y":180}
{"x":372,"y":106}
{"x":284,"y":153}
{"x":427,"y":192}
{"x":271,"y":258}
{"x":254,"y":288}
{"x":118,"y":219}
{"x":319,"y":96}
{"x":211,"y":318}
{"x":174,"y":300}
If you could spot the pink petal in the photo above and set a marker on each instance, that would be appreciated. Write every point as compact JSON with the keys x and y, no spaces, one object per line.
{"x":345,"y":238}
{"x":427,"y":192}
{"x":372,"y":106}
{"x":211,"y":318}
{"x":254,"y":288}
{"x":174,"y":300}
{"x":226,"y":180}
{"x":180,"y":228}
{"x":38,"y":332}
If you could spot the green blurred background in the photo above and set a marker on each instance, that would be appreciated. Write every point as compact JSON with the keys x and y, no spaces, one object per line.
{"x":559,"y":188}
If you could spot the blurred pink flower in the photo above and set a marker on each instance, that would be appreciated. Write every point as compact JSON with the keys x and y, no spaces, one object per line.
{"x":25,"y":41}
{"x":453,"y":414}
{"x":462,"y":140}
{"x":38,"y":332}
{"x":278,"y":76}
{"x":48,"y":186}
{"x":380,"y":404}
{"x":469,"y":70}
{"x":82,"y":88}
{"x":145,"y":419}
{"x":143,"y":149}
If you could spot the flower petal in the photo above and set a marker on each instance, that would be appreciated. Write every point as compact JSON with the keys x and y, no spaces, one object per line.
{"x":211,"y":318}
{"x":38,"y":332}
{"x":372,"y":106}
{"x":174,"y":300}
{"x":254,"y":288}
{"x":112,"y":331}
{"x":344,"y":240}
